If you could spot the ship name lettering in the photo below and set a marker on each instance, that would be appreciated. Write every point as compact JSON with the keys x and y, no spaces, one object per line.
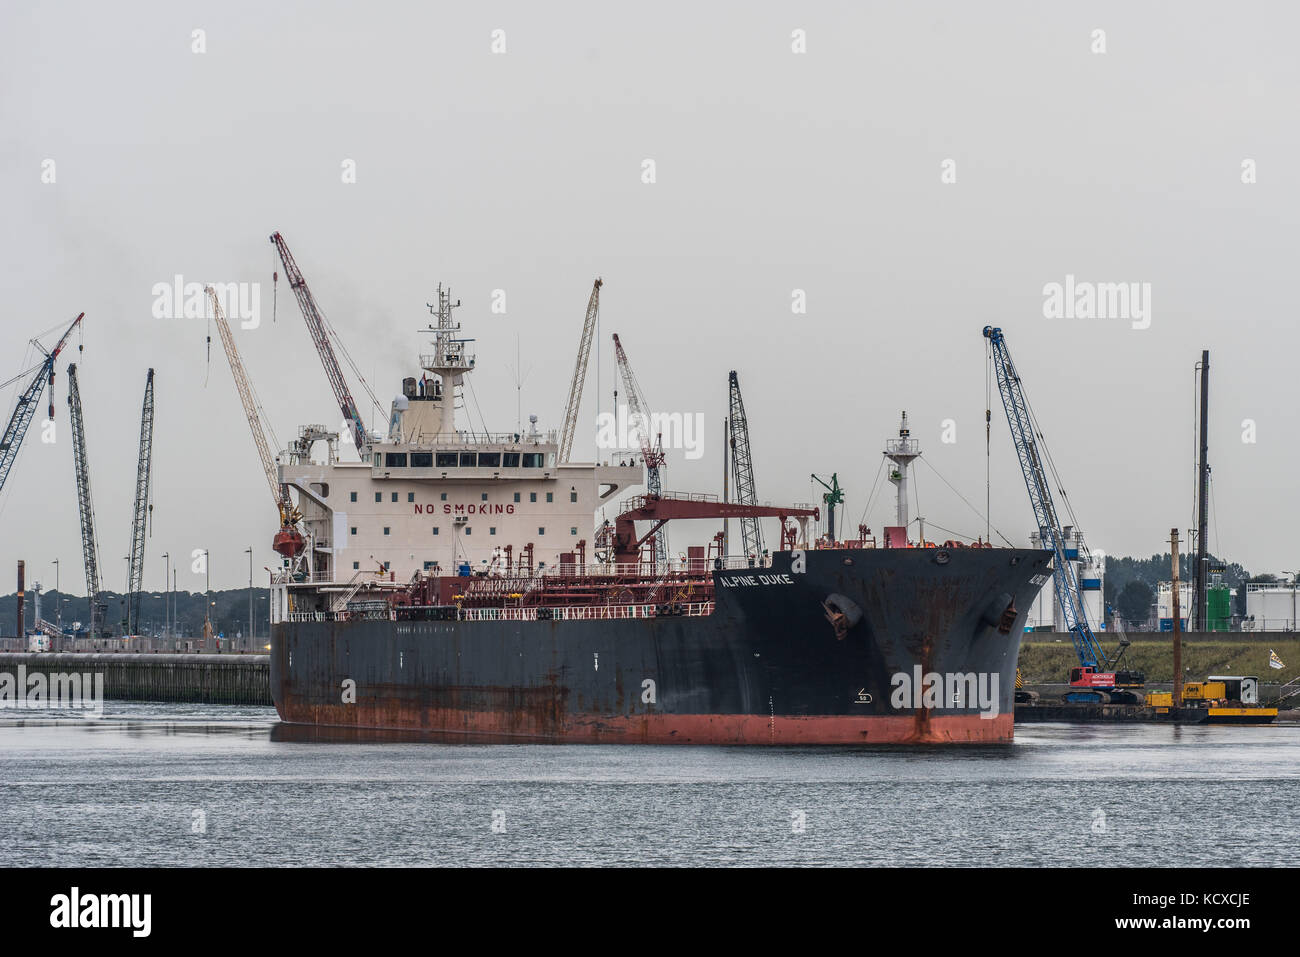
{"x":739,"y":581}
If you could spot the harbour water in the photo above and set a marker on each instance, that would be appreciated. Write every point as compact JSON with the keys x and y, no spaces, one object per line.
{"x":174,"y":785}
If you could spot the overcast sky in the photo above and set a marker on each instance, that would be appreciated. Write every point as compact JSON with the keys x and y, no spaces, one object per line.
{"x":775,"y":171}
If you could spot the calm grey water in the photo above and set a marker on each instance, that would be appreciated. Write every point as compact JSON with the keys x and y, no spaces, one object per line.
{"x":208,"y":785}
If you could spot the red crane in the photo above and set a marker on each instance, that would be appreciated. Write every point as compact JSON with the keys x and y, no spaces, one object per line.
{"x":319,"y":335}
{"x":659,"y":509}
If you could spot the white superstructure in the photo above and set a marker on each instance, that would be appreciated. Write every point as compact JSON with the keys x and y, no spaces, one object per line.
{"x":432,"y":496}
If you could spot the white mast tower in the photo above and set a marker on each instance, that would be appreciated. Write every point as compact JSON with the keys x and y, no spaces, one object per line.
{"x":901,"y":451}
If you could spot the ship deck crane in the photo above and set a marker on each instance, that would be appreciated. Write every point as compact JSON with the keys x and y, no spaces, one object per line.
{"x":653,"y":455}
{"x":85,"y":507}
{"x":661,"y":509}
{"x":579,"y":373}
{"x":319,"y":330}
{"x":288,"y":541}
{"x":139,"y":514}
{"x":742,"y":467}
{"x":833,"y":496}
{"x":25,"y":409}
{"x":1095,"y":679}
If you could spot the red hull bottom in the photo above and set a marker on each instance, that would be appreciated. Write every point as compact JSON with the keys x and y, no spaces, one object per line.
{"x":714,"y":729}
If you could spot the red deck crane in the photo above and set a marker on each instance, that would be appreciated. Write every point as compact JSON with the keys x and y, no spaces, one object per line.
{"x":660,"y":509}
{"x":652,"y":454}
{"x":316,"y":325}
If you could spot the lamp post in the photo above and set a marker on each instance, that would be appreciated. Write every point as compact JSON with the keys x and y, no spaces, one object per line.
{"x":58,"y":604}
{"x":167,"y":598}
{"x":248,"y":550}
{"x":126,"y":598}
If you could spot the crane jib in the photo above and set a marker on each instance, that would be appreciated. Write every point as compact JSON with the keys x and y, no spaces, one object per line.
{"x":1067,"y":592}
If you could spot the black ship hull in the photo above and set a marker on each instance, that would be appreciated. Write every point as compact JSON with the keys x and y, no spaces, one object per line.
{"x":930,"y":639}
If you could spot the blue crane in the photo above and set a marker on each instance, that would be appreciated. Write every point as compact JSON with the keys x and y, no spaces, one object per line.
{"x":14,"y":432}
{"x":1095,"y":673}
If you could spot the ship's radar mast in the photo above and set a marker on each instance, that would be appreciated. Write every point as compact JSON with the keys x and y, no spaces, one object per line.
{"x":450,"y":359}
{"x":901,"y":451}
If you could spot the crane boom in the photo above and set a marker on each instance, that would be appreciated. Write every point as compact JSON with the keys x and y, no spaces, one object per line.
{"x":143,"y":474}
{"x":85,"y":508}
{"x":743,"y":469}
{"x":14,"y":432}
{"x":279,"y":492}
{"x":1066,"y":588}
{"x":319,"y":335}
{"x":579,"y":373}
{"x":652,"y":454}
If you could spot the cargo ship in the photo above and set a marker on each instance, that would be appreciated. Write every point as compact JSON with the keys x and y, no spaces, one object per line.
{"x":444,"y":583}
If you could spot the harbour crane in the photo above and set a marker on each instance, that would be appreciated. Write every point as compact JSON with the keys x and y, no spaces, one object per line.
{"x":579,"y":373}
{"x":833,"y":496}
{"x":25,"y":409}
{"x":288,"y":540}
{"x":742,"y":468}
{"x":139,"y":515}
{"x":85,"y":508}
{"x":1095,"y":679}
{"x":319,"y":330}
{"x":652,"y":455}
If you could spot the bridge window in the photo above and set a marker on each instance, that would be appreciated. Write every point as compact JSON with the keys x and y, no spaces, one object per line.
{"x":354,"y":496}
{"x":446,"y":460}
{"x":356,"y":565}
{"x":379,"y":496}
{"x":516,"y":496}
{"x":510,"y":460}
{"x":468,"y":460}
{"x":410,"y":496}
{"x":385,"y":529}
{"x":421,"y":460}
{"x":492,"y":530}
{"x":541,"y":531}
{"x":489,"y":460}
{"x":435,"y":529}
{"x":550,"y":497}
{"x":394,"y":496}
{"x":395,"y":460}
{"x":468,"y":529}
{"x":354,"y":529}
{"x":574,"y":530}
{"x":573,"y":496}
{"x":485,"y":496}
{"x":532,"y":496}
{"x":444,"y":496}
{"x":533,"y":460}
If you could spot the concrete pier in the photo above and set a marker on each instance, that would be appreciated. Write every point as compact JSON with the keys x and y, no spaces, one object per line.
{"x":202,"y":679}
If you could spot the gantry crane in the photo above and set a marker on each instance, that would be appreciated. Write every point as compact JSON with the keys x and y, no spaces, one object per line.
{"x":289,"y":540}
{"x":318,"y":328}
{"x":139,"y":515}
{"x":1096,"y":678}
{"x":579,"y":373}
{"x":742,"y":468}
{"x":85,"y":508}
{"x":12,"y":439}
{"x":652,"y":454}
